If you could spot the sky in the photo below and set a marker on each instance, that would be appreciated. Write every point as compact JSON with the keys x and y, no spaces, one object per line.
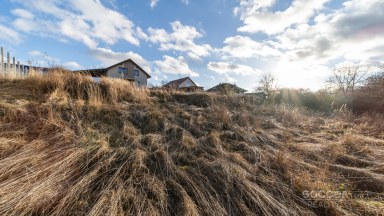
{"x":212,"y":41}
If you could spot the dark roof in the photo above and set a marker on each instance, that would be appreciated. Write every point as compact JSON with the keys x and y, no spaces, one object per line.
{"x":178,"y":82}
{"x":103,"y":71}
{"x":130,"y":60}
{"x":224,"y":87}
{"x":94,"y":72}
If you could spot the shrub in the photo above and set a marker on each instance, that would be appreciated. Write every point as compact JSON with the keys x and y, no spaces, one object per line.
{"x":370,"y":97}
{"x":319,"y":101}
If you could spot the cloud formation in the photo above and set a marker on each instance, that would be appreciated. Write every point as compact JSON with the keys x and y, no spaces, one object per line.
{"x":245,"y":47}
{"x":257,"y":15}
{"x":309,"y":43}
{"x":353,"y":33}
{"x":299,"y":40}
{"x":72,"y":65}
{"x":231,"y":68}
{"x":175,"y":66}
{"x":89,"y":22}
{"x":182,"y":38}
{"x":9,"y":35}
{"x":153,"y":3}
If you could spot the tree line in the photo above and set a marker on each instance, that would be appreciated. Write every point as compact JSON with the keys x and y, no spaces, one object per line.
{"x":357,"y":87}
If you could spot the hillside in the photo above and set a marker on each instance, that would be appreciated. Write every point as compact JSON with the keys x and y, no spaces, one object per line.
{"x":70,"y":146}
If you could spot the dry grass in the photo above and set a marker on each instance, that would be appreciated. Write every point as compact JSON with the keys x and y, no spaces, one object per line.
{"x":69,"y":146}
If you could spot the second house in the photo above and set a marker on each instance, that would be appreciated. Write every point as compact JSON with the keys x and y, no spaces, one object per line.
{"x":185,"y":84}
{"x":127,"y":70}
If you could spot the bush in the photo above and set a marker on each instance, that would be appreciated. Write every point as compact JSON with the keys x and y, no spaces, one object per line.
{"x":370,"y":98}
{"x":319,"y":101}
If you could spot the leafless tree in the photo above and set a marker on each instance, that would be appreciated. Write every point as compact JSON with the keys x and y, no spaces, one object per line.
{"x":345,"y":79}
{"x":268,"y":83}
{"x":163,"y":82}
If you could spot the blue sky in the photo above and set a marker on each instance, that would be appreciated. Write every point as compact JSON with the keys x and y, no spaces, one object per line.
{"x":211,"y":41}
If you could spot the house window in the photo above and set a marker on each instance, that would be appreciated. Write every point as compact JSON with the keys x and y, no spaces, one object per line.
{"x":188,"y":84}
{"x":136,"y":72}
{"x":122,"y":70}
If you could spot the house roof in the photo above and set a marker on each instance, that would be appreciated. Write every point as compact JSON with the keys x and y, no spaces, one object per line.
{"x":178,"y":82}
{"x":130,"y":60}
{"x":94,"y":72}
{"x":103,"y":71}
{"x":222,"y":87}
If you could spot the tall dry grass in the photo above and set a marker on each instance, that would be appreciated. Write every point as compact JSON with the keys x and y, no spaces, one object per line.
{"x":76,"y":147}
{"x":59,"y":84}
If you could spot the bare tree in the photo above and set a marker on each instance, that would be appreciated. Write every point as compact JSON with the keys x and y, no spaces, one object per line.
{"x":164,"y":82}
{"x":370,"y":97}
{"x":345,"y":79}
{"x":268,"y":83}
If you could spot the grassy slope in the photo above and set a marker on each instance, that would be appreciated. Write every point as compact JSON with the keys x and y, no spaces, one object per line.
{"x":72,"y":147}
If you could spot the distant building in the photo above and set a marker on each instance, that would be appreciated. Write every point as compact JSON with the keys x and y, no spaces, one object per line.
{"x":259,"y":94}
{"x":127,"y":70}
{"x":227,"y":88}
{"x":184,"y":84}
{"x":257,"y":97}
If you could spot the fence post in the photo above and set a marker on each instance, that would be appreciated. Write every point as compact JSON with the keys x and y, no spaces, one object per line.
{"x":8,"y":61}
{"x":29,"y":67}
{"x":2,"y":59}
{"x":18,"y":68}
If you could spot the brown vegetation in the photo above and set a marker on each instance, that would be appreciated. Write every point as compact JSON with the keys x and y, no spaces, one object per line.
{"x":370,"y":97}
{"x":70,"y":146}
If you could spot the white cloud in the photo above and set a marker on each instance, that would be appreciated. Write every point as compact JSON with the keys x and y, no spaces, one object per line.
{"x":258,"y":17}
{"x":86,"y":21}
{"x":336,"y":35}
{"x":181,"y":39}
{"x":89,"y":22}
{"x":141,"y":34}
{"x":9,"y":35}
{"x":27,"y":22}
{"x":244,"y":47}
{"x":186,"y":2}
{"x":311,"y":41}
{"x":153,"y":3}
{"x":177,"y":66}
{"x":247,"y":7}
{"x":35,"y":53}
{"x":22,"y":13}
{"x":72,"y":65}
{"x":231,"y":68}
